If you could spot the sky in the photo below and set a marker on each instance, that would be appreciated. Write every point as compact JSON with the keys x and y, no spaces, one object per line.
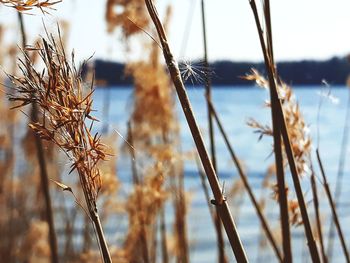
{"x":302,"y":29}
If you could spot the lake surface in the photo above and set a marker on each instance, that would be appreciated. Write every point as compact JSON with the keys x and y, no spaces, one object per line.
{"x":235,"y":106}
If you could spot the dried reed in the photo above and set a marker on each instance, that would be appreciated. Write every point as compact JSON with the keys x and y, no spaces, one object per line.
{"x":340,"y":173}
{"x":333,"y":208}
{"x":23,"y":6}
{"x":218,"y":225}
{"x":60,"y":98}
{"x":317,"y":215}
{"x":41,"y":158}
{"x":220,"y":201}
{"x":280,"y":125}
{"x":246,"y":184}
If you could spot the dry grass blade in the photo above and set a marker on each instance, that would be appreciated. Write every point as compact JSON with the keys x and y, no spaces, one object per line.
{"x":66,"y":108}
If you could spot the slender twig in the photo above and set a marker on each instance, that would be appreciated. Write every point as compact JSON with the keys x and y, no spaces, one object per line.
{"x":220,"y":200}
{"x":282,"y":193}
{"x":42,"y":162}
{"x":278,"y":111}
{"x":340,"y":175}
{"x":246,"y":184}
{"x":137,"y":182}
{"x":135,"y":176}
{"x":333,"y":207}
{"x":205,"y":189}
{"x":317,"y":214}
{"x":218,"y":225}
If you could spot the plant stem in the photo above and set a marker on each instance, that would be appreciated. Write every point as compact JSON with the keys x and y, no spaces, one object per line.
{"x":340,"y":174}
{"x":137,"y":182}
{"x":165,"y":256}
{"x":42,"y":162}
{"x":280,"y":121}
{"x":282,"y":193}
{"x":317,"y":213}
{"x":101,"y":238}
{"x":246,"y":183}
{"x":333,"y":208}
{"x":220,"y":200}
{"x":218,"y":225}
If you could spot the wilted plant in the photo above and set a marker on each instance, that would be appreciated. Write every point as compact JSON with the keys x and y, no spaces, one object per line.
{"x":297,"y":128}
{"x":22,"y":6}
{"x":60,"y":97}
{"x":131,"y":16}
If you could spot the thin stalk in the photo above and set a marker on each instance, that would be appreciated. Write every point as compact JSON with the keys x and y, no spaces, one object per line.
{"x":95,"y":219}
{"x":135,"y":177}
{"x":101,"y":238}
{"x":137,"y":182}
{"x":181,"y":222}
{"x":218,"y":225}
{"x":278,"y":111}
{"x":165,"y":255}
{"x":42,"y":162}
{"x":340,"y":174}
{"x":154,"y":246}
{"x":179,"y":208}
{"x":220,"y":200}
{"x":246,"y":184}
{"x":268,"y":23}
{"x":333,"y":208}
{"x":317,"y":213}
{"x":87,"y":240}
{"x":205,"y":189}
{"x":282,"y":193}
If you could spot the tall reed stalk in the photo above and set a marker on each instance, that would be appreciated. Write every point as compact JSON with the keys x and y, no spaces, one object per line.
{"x":137,"y":182}
{"x":317,"y":215}
{"x":333,"y":208}
{"x":280,"y":124}
{"x":218,"y":225}
{"x":60,"y":97}
{"x":246,"y":184}
{"x":340,"y":174}
{"x":220,"y":200}
{"x":282,"y":189}
{"x":44,"y":178}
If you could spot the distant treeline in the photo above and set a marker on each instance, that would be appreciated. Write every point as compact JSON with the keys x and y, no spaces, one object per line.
{"x":306,"y":72}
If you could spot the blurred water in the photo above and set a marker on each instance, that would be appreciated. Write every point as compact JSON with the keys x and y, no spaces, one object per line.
{"x":235,"y":106}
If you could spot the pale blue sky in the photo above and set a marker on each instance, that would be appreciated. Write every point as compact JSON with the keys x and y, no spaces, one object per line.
{"x":316,"y":29}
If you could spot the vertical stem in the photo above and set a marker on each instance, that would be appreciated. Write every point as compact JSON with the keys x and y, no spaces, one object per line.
{"x":280,"y":122}
{"x":340,"y":174}
{"x":42,"y":163}
{"x":137,"y":182}
{"x":154,"y":246}
{"x":282,"y":193}
{"x":246,"y":184}
{"x":317,"y":213}
{"x":205,"y":190}
{"x":220,"y":200}
{"x":101,"y":238}
{"x":165,"y":256}
{"x":333,"y":208}
{"x":135,"y":177}
{"x":218,"y":225}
